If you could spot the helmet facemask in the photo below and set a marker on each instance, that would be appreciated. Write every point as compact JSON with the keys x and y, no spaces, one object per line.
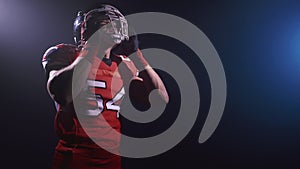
{"x":120,"y":28}
{"x":108,"y":19}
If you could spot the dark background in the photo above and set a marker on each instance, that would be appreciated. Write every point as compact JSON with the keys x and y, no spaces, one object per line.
{"x":259,"y":46}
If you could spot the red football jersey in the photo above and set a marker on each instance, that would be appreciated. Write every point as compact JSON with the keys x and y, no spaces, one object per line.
{"x":98,"y":106}
{"x":94,"y":118}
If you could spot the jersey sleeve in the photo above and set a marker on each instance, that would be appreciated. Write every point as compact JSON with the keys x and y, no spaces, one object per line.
{"x":58,"y":57}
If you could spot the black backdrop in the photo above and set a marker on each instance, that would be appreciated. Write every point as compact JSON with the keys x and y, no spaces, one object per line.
{"x":258,"y":43}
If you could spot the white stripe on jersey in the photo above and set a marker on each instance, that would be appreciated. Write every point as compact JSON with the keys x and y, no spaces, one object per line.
{"x":94,"y":83}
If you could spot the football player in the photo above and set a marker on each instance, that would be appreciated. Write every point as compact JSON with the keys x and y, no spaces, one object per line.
{"x":88,"y":73}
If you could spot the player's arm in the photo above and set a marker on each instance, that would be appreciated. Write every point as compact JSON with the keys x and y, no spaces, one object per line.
{"x":66,"y":83}
{"x":155,"y":79}
{"x":59,"y":84}
{"x":131,"y":46}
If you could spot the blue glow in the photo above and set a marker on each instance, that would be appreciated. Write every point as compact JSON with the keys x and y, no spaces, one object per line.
{"x":289,"y":49}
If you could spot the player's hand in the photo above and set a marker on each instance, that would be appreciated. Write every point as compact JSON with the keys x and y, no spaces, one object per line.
{"x":127,"y":47}
{"x":103,"y":38}
{"x":98,"y":44}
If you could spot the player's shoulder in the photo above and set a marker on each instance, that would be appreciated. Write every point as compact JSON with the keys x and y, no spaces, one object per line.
{"x":59,"y":48}
{"x":60,"y":54}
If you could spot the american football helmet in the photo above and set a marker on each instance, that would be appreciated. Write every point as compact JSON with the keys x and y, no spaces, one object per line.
{"x":107,"y":16}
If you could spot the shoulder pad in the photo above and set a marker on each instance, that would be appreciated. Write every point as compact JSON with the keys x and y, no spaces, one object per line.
{"x":64,"y":53}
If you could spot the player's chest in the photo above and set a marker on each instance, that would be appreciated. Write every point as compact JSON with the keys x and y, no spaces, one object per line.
{"x":105,"y":79}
